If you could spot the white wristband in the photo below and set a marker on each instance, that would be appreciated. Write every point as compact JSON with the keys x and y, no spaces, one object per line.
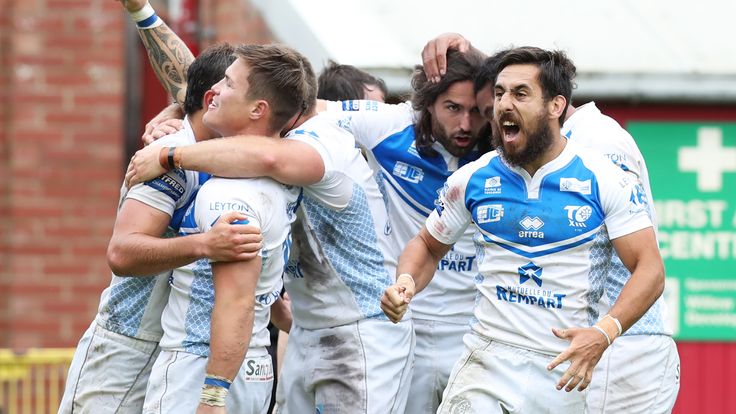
{"x":608,"y":339}
{"x":618,"y":324}
{"x":146,"y":17}
{"x":142,"y":14}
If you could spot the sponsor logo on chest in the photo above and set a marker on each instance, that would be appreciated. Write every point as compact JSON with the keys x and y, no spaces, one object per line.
{"x":408,"y":172}
{"x":529,"y":291}
{"x":489,"y":213}
{"x":574,"y":185}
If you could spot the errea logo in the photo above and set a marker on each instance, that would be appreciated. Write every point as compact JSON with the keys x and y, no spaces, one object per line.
{"x":531,"y":225}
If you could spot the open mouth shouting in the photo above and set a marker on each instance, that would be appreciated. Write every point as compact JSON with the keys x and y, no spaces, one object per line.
{"x":509,"y":129}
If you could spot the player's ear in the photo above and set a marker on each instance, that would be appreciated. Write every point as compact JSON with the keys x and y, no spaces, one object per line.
{"x":259,"y":109}
{"x":556,"y":105}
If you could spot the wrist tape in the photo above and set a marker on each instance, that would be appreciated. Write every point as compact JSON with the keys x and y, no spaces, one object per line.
{"x":146,"y":18}
{"x":214,"y":391}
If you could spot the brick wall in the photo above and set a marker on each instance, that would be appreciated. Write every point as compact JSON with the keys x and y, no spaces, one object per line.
{"x":61,"y":150}
{"x":61,"y":79}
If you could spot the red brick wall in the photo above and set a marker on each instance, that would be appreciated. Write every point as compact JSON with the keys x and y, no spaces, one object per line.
{"x":61,"y":79}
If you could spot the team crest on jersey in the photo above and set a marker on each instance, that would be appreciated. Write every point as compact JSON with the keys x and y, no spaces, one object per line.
{"x":408,"y":172}
{"x":489,"y":213}
{"x":574,"y":185}
{"x":530,"y":271}
{"x":493,"y":185}
{"x":578,"y":215}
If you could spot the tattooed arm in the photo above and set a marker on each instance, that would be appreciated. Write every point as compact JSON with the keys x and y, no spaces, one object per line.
{"x":168,"y":54}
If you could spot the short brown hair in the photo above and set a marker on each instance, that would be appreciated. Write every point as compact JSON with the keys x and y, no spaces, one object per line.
{"x":283,"y":77}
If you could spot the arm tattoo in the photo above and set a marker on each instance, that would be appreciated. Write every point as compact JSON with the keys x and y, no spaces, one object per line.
{"x":169,"y":57}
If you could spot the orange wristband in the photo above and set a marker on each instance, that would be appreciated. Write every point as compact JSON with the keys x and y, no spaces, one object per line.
{"x":175,"y":157}
{"x":163,"y":158}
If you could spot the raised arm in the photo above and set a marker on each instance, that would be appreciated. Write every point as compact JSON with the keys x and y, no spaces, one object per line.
{"x":415,"y":270}
{"x":168,"y":54}
{"x":285,"y":160}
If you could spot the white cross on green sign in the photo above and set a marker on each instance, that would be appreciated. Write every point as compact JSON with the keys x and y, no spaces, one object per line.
{"x":692,"y":167}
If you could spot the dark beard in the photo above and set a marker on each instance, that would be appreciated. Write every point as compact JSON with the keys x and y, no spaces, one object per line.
{"x":537,"y":143}
{"x":440,"y":136}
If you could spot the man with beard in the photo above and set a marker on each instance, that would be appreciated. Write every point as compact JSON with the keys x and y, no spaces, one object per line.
{"x":548,"y":216}
{"x":413,"y":148}
{"x":639,"y":373}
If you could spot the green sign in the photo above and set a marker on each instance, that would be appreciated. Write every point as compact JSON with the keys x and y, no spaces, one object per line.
{"x":692,"y":168}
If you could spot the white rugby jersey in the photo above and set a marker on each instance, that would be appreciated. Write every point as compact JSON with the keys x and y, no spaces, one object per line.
{"x":132,"y":306}
{"x":410,"y":183}
{"x":338,"y":268}
{"x":541,"y":265}
{"x":589,"y":128}
{"x":268,"y":205}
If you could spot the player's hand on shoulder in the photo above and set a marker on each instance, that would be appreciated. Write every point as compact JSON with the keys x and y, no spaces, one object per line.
{"x":144,"y":166}
{"x":585,"y":350}
{"x":161,"y":129}
{"x":169,"y":120}
{"x":229,"y":240}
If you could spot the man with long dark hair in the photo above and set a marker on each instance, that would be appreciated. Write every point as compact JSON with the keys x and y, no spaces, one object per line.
{"x":413,"y":148}
{"x":645,"y":357}
{"x":548,"y":216}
